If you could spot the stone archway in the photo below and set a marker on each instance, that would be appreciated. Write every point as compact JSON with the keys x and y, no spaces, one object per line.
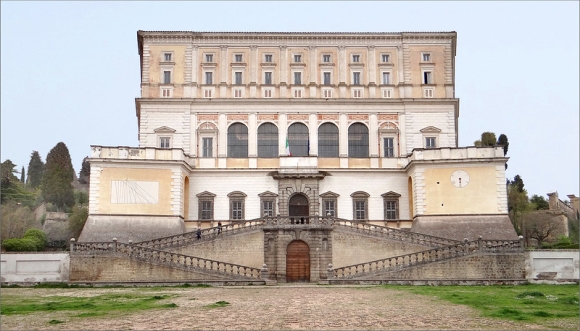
{"x":297,"y":262}
{"x":298,"y":205}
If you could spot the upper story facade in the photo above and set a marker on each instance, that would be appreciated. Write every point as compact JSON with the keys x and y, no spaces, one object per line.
{"x":297,"y":65}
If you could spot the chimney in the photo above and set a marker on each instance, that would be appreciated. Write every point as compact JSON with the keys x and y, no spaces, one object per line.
{"x":574,"y":202}
{"x":553,"y":201}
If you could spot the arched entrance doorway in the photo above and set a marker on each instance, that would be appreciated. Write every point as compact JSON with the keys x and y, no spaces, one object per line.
{"x":298,"y":206}
{"x":298,"y":262}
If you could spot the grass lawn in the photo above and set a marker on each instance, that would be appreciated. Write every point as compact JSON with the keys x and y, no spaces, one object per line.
{"x":536,"y":303}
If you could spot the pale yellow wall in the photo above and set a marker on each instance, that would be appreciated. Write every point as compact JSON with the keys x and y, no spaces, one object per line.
{"x":237,"y":163}
{"x":359,"y":163}
{"x":478,"y":197}
{"x":163,"y":176}
{"x":438,"y":60}
{"x":268,"y":163}
{"x":328,"y":163}
{"x":156,"y":53}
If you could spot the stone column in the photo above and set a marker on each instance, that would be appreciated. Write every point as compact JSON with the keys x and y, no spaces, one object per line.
{"x":283,"y":72}
{"x":253,"y":70}
{"x":223,"y":63}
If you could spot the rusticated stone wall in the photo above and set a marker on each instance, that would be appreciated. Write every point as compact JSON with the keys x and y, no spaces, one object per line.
{"x":108,"y":268}
{"x":350,"y":248}
{"x":245,"y":249}
{"x":477,"y":266}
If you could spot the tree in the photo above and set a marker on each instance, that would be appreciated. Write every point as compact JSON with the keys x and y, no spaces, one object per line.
{"x":503,"y":141}
{"x":539,"y":202}
{"x":540,"y":228}
{"x":85,"y":173}
{"x":487,"y":139}
{"x":58,"y":176}
{"x":77,"y":220}
{"x":22,"y":175}
{"x":16,"y":219}
{"x":518,"y":202}
{"x":9,"y":184}
{"x":35,"y":170}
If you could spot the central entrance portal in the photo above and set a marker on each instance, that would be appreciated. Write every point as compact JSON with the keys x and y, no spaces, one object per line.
{"x":298,"y":205}
{"x":298,"y":262}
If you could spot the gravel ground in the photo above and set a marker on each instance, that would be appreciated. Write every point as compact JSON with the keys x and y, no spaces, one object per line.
{"x":287,"y":307}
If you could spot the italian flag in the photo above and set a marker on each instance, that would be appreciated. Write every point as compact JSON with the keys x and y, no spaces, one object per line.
{"x":288,"y":147}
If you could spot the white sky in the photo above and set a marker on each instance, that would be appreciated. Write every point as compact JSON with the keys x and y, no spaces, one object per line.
{"x":70,"y":70}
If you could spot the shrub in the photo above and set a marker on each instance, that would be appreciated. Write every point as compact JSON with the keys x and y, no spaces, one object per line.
{"x":38,"y":235}
{"x":20,"y":245}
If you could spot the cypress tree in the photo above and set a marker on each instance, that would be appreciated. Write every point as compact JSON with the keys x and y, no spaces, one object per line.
{"x":35,"y":170}
{"x":22,"y":175}
{"x":58,"y":177}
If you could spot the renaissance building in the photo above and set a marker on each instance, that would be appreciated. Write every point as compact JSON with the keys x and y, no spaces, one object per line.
{"x":238,"y":126}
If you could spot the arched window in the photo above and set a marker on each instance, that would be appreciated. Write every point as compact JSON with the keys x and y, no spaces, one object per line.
{"x":298,"y":140}
{"x":268,"y":140}
{"x":238,"y":140}
{"x":358,"y":140}
{"x":328,"y":140}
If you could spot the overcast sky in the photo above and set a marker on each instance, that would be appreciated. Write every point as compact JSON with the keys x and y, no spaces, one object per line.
{"x":70,"y":70}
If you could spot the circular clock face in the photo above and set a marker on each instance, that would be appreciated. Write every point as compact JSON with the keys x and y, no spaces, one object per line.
{"x":459,"y":178}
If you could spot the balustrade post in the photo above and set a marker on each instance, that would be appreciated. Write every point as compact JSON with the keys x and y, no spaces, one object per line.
{"x":465,"y":245}
{"x":130,"y":247}
{"x":329,"y":272}
{"x":521,"y":238}
{"x":479,"y":243}
{"x":72,"y":244}
{"x":115,"y":245}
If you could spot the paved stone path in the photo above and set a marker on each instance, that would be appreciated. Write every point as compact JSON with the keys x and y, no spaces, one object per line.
{"x":286,"y":307}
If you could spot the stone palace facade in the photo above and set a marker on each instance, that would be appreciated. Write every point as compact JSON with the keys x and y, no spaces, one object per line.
{"x":355,"y":126}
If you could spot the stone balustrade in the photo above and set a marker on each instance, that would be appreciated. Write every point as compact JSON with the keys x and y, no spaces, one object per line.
{"x":395,"y":234}
{"x":170,"y":259}
{"x":431,"y":255}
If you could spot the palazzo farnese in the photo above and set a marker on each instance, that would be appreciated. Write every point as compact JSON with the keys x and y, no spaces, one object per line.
{"x":238,"y":126}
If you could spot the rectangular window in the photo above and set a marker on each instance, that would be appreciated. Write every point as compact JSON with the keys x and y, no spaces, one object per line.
{"x":237,"y":93}
{"x":165,"y":93}
{"x":207,"y":93}
{"x":297,"y":58}
{"x":356,"y":78}
{"x":391,"y":210}
{"x":238,"y":57}
{"x":237,"y":210}
{"x":386,"y":78}
{"x":327,"y":93}
{"x":267,"y":93}
{"x":330,"y":208}
{"x":355,"y":58}
{"x":385,"y":58}
{"x":207,"y":147}
{"x":428,"y":93}
{"x":298,"y":93}
{"x":430,"y":142}
{"x":268,"y":208}
{"x":427,"y":77}
{"x":426,"y":57}
{"x":167,"y":57}
{"x":387,"y":93}
{"x":389,"y":147}
{"x":268,"y":78}
{"x":268,"y":58}
{"x":297,"y":78}
{"x":206,"y":210}
{"x":326,"y":78}
{"x":209,"y":78}
{"x":166,"y":77}
{"x":238,"y":78}
{"x":164,"y":142}
{"x":359,"y":210}
{"x":357,"y":93}
{"x":209,"y":58}
{"x":326,"y":58}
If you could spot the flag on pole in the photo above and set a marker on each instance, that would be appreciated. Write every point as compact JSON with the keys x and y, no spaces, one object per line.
{"x":288,"y":147}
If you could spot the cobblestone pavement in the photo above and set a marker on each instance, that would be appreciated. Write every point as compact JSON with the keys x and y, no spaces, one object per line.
{"x":286,"y":307}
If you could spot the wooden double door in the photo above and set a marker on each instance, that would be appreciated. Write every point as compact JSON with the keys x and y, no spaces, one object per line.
{"x":298,"y":262}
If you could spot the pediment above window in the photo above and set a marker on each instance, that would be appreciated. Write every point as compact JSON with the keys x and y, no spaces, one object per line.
{"x":267,"y":194}
{"x":205,"y":194}
{"x":360,"y":194}
{"x":391,"y":194}
{"x":389,"y":127}
{"x":207,"y":127}
{"x":430,"y":129}
{"x":237,"y":194}
{"x":329,"y":194}
{"x":164,"y":129}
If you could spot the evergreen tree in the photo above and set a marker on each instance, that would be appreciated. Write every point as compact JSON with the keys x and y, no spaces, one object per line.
{"x":85,"y":173}
{"x":8,"y":185}
{"x":35,"y":170}
{"x":539,"y":202}
{"x":22,"y":175}
{"x":487,"y":139}
{"x":503,"y":141}
{"x":58,"y":176}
